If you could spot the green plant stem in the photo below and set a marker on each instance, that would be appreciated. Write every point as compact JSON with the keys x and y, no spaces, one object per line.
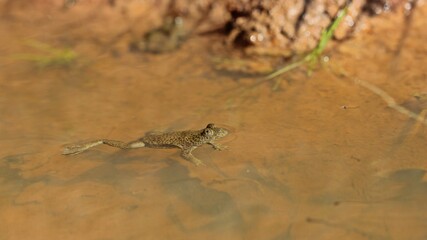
{"x":313,"y":57}
{"x":284,"y":69}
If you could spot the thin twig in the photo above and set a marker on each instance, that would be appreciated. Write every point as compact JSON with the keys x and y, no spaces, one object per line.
{"x":390,"y":101}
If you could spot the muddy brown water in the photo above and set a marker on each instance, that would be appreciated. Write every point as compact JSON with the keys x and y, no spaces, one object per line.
{"x":321,"y":158}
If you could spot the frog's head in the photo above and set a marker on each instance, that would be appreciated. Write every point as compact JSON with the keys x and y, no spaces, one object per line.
{"x":212,"y":132}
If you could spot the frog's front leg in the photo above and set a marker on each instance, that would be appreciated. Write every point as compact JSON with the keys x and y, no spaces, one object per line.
{"x":217,"y":146}
{"x":186,"y":154}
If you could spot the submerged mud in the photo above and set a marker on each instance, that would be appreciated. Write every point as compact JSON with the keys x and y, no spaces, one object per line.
{"x":321,"y":157}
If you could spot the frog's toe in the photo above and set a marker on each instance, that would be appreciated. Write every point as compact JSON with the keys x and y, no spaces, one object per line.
{"x":199,"y":163}
{"x":222,"y":148}
{"x":76,"y":149}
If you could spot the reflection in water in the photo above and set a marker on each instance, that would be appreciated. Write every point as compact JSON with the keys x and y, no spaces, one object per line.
{"x":217,"y":209}
{"x":10,"y":176}
{"x":400,"y":186}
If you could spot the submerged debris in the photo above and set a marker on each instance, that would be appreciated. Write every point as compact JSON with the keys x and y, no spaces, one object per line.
{"x":166,"y":38}
{"x":48,"y":56}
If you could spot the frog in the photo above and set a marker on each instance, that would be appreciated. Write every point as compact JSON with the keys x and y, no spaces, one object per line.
{"x":187,"y":141}
{"x":166,"y":38}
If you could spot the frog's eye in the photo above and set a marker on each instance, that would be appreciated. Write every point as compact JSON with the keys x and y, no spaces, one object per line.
{"x":210,"y":125}
{"x":208,"y":132}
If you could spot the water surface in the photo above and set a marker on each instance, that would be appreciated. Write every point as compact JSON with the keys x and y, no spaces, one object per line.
{"x":321,"y":158}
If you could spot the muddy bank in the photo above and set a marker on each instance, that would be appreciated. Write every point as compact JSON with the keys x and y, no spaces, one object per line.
{"x":279,"y":28}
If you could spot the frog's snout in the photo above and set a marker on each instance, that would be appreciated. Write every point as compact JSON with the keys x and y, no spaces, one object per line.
{"x":222,"y":132}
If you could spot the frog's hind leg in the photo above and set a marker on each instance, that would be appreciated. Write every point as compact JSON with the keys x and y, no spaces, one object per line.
{"x":78,"y":148}
{"x":186,"y":154}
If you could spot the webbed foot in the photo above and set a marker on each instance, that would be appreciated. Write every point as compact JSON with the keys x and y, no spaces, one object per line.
{"x":78,"y":148}
{"x":218,"y":146}
{"x":75,"y":149}
{"x":186,"y":154}
{"x":198,"y":162}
